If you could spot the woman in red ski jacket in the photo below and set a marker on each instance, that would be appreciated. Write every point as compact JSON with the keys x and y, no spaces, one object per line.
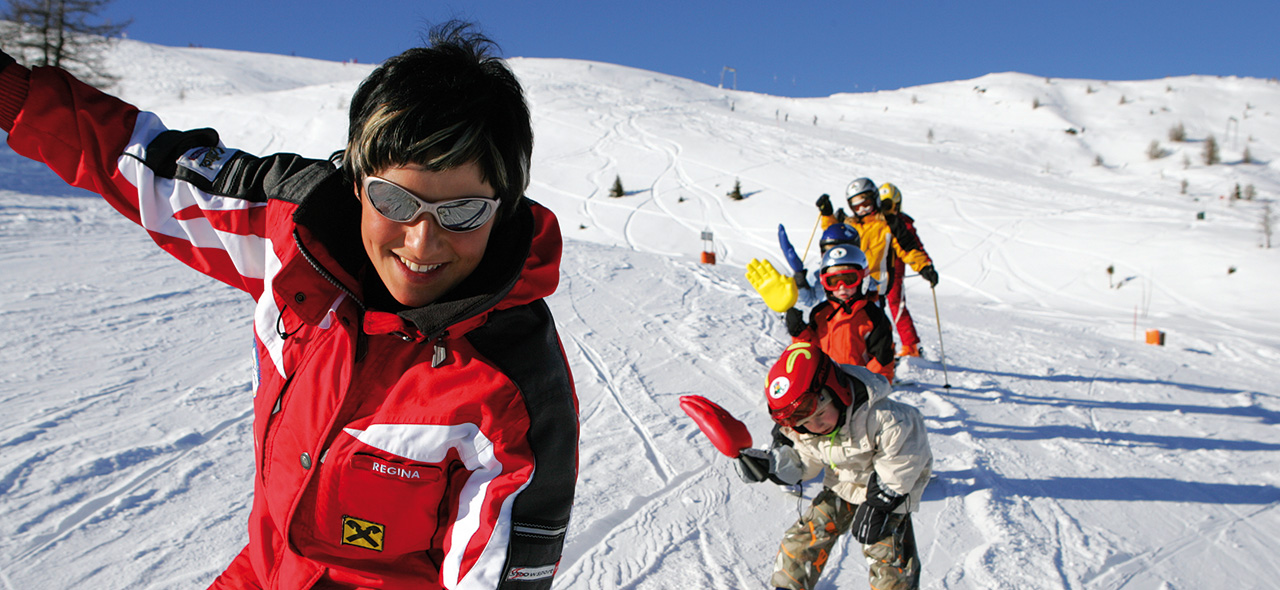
{"x":415,"y":424}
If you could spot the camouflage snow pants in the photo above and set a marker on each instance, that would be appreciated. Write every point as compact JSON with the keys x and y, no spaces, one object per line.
{"x":807,"y":544}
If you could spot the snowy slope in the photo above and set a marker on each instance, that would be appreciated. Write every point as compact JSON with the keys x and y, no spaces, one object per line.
{"x":1068,"y":453}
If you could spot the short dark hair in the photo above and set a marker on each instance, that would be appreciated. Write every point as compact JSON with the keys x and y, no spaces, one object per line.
{"x":440,"y":107}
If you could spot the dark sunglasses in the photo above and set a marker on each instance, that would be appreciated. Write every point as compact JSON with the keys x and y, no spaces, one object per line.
{"x":456,"y":215}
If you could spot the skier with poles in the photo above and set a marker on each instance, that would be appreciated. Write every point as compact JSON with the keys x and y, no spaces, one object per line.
{"x":903,"y":225}
{"x":874,"y":456}
{"x":415,"y":423}
{"x":880,"y":239}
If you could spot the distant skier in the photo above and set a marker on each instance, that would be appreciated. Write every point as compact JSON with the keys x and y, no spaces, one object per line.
{"x":415,"y":423}
{"x":875,"y":459}
{"x":891,"y":208}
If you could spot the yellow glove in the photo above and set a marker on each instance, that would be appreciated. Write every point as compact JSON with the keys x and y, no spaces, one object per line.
{"x":777,"y":290}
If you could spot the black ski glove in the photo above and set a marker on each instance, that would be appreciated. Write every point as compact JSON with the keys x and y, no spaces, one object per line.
{"x":795,"y":322}
{"x":802,"y":279}
{"x":930,"y":275}
{"x":752,"y":467}
{"x":840,"y":215}
{"x":779,"y":465}
{"x":871,"y":520}
{"x":824,"y":205}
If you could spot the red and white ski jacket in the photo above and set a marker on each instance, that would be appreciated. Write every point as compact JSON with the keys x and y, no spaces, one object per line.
{"x":434,"y":447}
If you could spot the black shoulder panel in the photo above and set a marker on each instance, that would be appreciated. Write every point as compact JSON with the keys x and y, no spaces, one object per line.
{"x":523,"y":343}
{"x":898,"y":227}
{"x":880,"y":339}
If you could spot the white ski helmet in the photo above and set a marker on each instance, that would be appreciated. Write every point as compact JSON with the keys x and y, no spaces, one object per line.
{"x":864,"y":188}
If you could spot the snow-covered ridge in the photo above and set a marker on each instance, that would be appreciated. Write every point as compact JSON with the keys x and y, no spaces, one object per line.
{"x":1069,"y":453}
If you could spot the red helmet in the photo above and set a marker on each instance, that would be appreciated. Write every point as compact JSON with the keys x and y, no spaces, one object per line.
{"x":796,"y":383}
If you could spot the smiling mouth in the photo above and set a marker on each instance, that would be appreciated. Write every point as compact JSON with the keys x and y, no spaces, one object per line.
{"x":418,"y":268}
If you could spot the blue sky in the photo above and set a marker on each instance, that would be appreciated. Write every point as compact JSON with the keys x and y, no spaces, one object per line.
{"x":794,"y":48}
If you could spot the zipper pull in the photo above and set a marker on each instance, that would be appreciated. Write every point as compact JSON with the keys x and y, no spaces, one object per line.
{"x":439,"y":354}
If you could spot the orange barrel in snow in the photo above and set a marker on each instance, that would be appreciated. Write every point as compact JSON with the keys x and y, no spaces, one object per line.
{"x":1155,"y":337}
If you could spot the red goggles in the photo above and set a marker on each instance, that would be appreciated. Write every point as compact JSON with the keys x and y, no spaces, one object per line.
{"x":843,"y":278}
{"x":798,"y":412}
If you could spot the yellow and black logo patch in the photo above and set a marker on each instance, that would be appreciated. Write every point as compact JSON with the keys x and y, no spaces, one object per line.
{"x":362,"y":533}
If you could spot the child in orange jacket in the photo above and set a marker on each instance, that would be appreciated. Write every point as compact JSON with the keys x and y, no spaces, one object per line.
{"x":847,"y":326}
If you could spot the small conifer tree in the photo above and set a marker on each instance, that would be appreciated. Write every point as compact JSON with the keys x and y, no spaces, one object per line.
{"x":617,"y":191}
{"x":1178,"y":133}
{"x":1211,"y":155}
{"x":736,"y":193}
{"x":1155,"y":152}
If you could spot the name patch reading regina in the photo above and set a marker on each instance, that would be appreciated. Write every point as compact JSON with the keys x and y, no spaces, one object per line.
{"x":412,"y":473}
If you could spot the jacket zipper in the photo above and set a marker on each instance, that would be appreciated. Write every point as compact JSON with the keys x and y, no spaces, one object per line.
{"x":324,"y":273}
{"x":268,"y":435}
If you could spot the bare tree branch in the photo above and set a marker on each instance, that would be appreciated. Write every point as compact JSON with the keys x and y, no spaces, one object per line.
{"x":64,"y":33}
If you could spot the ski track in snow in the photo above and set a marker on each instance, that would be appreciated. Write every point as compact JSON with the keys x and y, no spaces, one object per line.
{"x":1067,"y":454}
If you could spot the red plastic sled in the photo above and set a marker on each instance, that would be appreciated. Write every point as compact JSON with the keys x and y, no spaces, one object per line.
{"x":727,"y":433}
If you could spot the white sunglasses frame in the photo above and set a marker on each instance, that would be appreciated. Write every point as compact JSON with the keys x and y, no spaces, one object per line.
{"x":429,"y":208}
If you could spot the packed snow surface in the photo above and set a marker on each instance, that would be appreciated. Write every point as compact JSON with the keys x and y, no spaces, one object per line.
{"x":1068,"y":452}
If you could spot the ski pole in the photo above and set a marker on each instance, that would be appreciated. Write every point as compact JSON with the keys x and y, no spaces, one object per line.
{"x":946,"y":382}
{"x":811,"y":233}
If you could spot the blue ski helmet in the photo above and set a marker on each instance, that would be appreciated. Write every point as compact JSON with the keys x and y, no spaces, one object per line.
{"x":844,"y":255}
{"x":838,"y":233}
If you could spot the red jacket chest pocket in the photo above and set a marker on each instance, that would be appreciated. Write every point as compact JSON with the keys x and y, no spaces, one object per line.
{"x":373,"y":505}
